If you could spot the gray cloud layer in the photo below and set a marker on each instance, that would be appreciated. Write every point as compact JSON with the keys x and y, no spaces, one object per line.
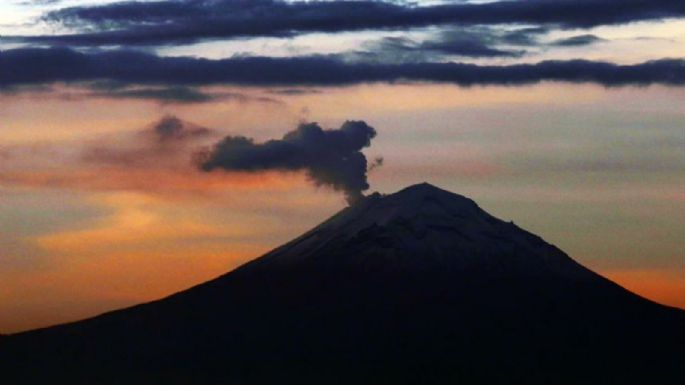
{"x":182,"y":21}
{"x":577,"y":41}
{"x":44,"y":66}
{"x":474,"y":42}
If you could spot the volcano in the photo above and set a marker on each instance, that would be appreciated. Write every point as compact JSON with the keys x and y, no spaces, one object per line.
{"x":417,"y":287}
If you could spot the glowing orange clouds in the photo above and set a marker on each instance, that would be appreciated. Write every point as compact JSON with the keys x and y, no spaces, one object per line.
{"x":171,"y":183}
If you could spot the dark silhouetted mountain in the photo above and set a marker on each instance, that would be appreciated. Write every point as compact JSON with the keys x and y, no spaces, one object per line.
{"x":418,"y":287}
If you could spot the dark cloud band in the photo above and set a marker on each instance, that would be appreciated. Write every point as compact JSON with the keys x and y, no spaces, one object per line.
{"x":173,"y":22}
{"x":43,"y":66}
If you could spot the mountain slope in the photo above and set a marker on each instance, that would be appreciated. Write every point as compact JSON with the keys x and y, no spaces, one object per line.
{"x":418,"y":287}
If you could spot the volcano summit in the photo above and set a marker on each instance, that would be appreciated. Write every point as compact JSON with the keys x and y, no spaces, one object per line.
{"x":417,"y":287}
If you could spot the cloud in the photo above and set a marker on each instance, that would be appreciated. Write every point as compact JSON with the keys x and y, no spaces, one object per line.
{"x":576,"y":41}
{"x":171,"y":183}
{"x":178,"y":21}
{"x":155,"y":160}
{"x":40,"y":2}
{"x":469,"y":42}
{"x":170,"y":94}
{"x":527,"y":36}
{"x":330,"y":157}
{"x":173,"y":128}
{"x":165,"y":95}
{"x":295,"y":91}
{"x":159,"y":93}
{"x":168,"y":142}
{"x":40,"y":66}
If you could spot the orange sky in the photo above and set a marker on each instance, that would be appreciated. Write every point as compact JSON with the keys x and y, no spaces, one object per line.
{"x":596,"y":171}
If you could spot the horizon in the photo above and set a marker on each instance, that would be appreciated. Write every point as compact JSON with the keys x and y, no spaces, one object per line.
{"x":146,"y":147}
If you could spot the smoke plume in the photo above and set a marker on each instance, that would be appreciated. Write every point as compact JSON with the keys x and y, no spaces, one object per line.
{"x":330,"y":157}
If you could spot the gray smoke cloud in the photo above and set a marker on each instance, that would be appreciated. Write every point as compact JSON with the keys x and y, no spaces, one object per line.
{"x":330,"y":157}
{"x":168,"y":141}
{"x":173,"y":128}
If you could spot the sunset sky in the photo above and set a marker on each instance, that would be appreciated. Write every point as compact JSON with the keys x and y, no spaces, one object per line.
{"x":567,"y":117}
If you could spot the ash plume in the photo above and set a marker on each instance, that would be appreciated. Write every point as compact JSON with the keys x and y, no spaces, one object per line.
{"x":172,"y":128}
{"x":330,"y":157}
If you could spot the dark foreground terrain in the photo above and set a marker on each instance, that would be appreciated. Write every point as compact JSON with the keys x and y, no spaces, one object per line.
{"x":418,"y":287}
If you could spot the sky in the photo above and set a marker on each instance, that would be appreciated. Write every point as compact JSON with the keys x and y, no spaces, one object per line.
{"x":148,"y":146}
